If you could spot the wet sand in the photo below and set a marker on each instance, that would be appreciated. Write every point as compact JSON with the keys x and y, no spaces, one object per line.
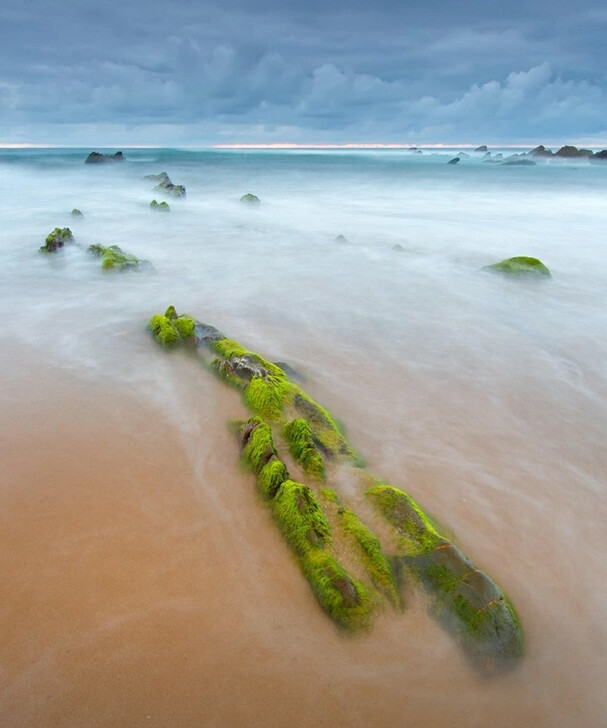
{"x":144,"y":584}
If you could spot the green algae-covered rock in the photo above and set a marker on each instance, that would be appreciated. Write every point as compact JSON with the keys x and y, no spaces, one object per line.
{"x":305,"y":527}
{"x":161,"y":206}
{"x":520,"y":266}
{"x":76,"y":213}
{"x":56,"y":239}
{"x":465,"y":599}
{"x":250,"y":199}
{"x":164,"y":332}
{"x":165,"y":185}
{"x":114,"y":258}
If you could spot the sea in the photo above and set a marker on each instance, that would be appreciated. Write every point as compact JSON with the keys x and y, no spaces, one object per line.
{"x":143,"y":580}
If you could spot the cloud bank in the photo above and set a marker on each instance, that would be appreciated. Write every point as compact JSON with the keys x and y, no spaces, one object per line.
{"x":198,"y":74}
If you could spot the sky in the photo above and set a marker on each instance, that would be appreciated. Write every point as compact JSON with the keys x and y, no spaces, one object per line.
{"x":203,"y":72}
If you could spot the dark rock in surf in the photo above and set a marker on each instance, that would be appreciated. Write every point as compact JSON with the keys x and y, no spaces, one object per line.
{"x":541,"y":151}
{"x":97,"y":158}
{"x":520,"y":162}
{"x":599,"y":156}
{"x":341,"y":239}
{"x":56,"y":239}
{"x":455,"y":160}
{"x":570,"y":152}
{"x":482,"y":148}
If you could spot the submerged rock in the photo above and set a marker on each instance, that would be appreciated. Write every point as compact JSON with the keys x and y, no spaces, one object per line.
{"x":519,"y":162}
{"x":398,"y":247}
{"x":162,"y":206}
{"x":455,"y":160}
{"x":56,"y":239}
{"x":520,"y":266}
{"x":76,"y":213}
{"x":97,"y":158}
{"x":250,"y":199}
{"x":114,"y":258}
{"x":165,"y":184}
{"x":341,"y":239}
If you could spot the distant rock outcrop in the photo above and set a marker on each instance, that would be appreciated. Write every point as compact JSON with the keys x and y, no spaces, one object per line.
{"x":541,"y":151}
{"x":97,"y":158}
{"x":570,"y":152}
{"x":482,"y":148}
{"x":599,"y":156}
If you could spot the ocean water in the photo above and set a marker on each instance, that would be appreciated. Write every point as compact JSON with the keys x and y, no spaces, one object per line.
{"x":145,"y":583}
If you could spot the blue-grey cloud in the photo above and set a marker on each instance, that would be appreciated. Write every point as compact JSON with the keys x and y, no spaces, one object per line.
{"x":387,"y":71}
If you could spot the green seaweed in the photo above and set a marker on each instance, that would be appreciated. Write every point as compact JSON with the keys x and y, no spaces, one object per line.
{"x":303,"y":448}
{"x":76,"y":213}
{"x":185,"y":326}
{"x":114,"y":258}
{"x":258,"y":444}
{"x":375,"y":561}
{"x":344,"y":599}
{"x":163,"y":330}
{"x":271,"y":476}
{"x":250,"y":199}
{"x":300,"y":517}
{"x":520,"y":266}
{"x":160,"y":206}
{"x":418,"y":535}
{"x":56,"y":239}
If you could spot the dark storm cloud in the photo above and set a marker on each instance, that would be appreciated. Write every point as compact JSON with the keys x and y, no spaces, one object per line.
{"x":285,"y":71}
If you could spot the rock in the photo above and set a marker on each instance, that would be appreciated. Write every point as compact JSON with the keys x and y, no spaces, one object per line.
{"x":250,"y":199}
{"x":455,"y":160}
{"x":398,"y":247}
{"x":412,"y":149}
{"x":570,"y":152}
{"x":161,"y":206}
{"x":56,"y":239}
{"x":341,"y":239}
{"x":76,"y":213}
{"x":521,"y":162}
{"x":463,"y":155}
{"x":482,"y":148}
{"x":165,"y":185}
{"x":161,"y":177}
{"x":599,"y":156}
{"x":290,"y":371}
{"x":114,"y":258}
{"x":487,"y":155}
{"x":97,"y":158}
{"x":541,"y":151}
{"x":520,"y":266}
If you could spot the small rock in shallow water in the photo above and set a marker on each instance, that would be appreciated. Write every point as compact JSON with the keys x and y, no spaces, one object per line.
{"x":520,"y":266}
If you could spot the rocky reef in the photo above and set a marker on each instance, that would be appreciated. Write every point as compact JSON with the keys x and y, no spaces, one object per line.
{"x":56,"y":239}
{"x":351,"y":570}
{"x":97,"y":158}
